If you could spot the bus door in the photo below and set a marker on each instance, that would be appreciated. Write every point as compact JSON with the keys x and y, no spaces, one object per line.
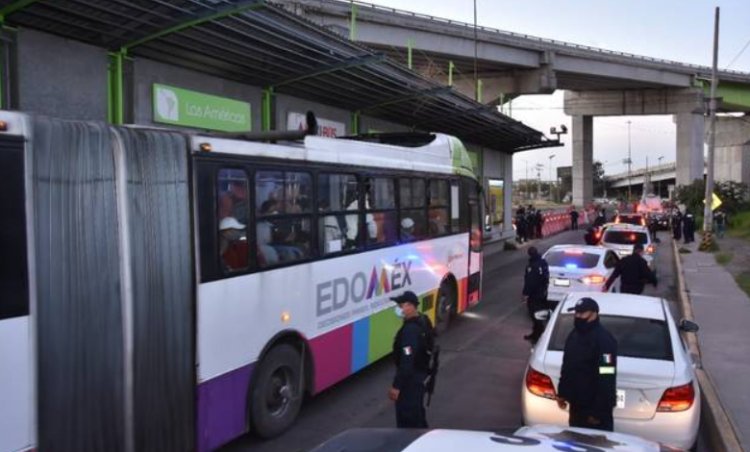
{"x":475,"y":243}
{"x":16,"y":368}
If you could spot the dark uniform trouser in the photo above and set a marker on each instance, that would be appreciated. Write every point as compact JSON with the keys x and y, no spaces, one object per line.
{"x":410,"y":412}
{"x":580,"y":418}
{"x":631,"y":288}
{"x":537,"y":326}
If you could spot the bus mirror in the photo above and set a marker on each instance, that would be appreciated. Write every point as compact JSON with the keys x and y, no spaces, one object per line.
{"x":487,"y":223}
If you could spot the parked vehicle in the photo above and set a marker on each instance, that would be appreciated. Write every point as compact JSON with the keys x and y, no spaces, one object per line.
{"x":524,"y":439}
{"x":621,"y":238}
{"x":658,"y":396}
{"x":576,"y":268}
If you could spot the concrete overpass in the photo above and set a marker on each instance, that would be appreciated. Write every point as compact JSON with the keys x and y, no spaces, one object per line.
{"x":598,"y":82}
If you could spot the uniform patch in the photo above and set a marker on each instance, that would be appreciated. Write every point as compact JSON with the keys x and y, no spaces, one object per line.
{"x":407,"y":350}
{"x":606,"y":370}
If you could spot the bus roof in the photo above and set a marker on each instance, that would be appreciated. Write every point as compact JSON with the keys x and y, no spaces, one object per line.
{"x":444,"y":154}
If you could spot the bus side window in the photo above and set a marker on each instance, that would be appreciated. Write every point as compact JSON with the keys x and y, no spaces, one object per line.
{"x":233,"y":216}
{"x":283,"y":216}
{"x":380,"y":210}
{"x":337,"y":230}
{"x":439,"y":203}
{"x":412,"y":209}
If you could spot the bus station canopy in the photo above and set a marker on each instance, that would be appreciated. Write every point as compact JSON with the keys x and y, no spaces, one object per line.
{"x":267,"y":45}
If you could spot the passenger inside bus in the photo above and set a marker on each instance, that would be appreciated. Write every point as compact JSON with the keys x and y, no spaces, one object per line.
{"x":232,"y":244}
{"x":407,"y":230}
{"x":234,"y":202}
{"x":264,"y":234}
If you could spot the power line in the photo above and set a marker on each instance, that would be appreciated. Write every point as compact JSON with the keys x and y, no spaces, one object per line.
{"x":738,"y":55}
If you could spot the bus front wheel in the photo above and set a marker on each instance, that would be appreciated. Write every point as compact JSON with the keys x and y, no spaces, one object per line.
{"x":276,"y":395}
{"x":445,"y":303}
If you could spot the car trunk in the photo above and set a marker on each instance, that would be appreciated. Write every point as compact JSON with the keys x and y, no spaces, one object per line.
{"x":563,"y":280}
{"x":642,"y":382}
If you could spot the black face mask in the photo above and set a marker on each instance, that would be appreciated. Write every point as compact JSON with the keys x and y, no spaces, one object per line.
{"x":583,"y":325}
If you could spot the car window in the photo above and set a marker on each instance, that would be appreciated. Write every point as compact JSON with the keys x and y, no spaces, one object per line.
{"x":571,"y":260}
{"x":630,"y":219}
{"x":636,"y":337}
{"x":625,"y":237}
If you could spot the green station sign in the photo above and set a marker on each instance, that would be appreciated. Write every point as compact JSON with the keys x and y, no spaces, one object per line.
{"x":182,"y":107}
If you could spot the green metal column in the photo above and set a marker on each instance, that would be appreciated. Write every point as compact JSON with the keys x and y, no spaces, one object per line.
{"x":355,"y":123}
{"x":266,"y":109}
{"x":409,"y":49}
{"x":353,"y":24}
{"x":115,"y":109}
{"x":451,"y":66}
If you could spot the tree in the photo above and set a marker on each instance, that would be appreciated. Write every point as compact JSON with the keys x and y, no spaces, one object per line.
{"x":733,"y":195}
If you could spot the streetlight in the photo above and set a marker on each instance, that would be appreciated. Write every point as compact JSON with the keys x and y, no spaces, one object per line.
{"x":550,"y":175}
{"x":629,"y":161}
{"x":658,"y":181}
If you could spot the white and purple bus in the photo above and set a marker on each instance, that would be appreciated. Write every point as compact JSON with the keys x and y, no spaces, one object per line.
{"x":162,"y":290}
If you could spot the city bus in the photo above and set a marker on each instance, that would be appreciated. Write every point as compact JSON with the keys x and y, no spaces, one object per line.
{"x":171,"y":290}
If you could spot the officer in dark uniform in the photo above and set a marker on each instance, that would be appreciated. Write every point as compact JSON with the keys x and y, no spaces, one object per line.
{"x":633,"y":271}
{"x":677,"y":225}
{"x":573,"y":219}
{"x":535,"y":283}
{"x":521,"y":235}
{"x":410,"y":351}
{"x":589,"y":370}
{"x":601,"y":218}
{"x":538,"y":222}
{"x":688,"y":227}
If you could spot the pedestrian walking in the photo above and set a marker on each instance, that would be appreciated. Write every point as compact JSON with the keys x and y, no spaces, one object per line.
{"x":677,"y":224}
{"x":535,"y":283}
{"x":633,"y":272}
{"x":412,"y":347}
{"x":688,"y":227}
{"x":531,"y":223}
{"x":538,"y":222}
{"x":521,"y":226}
{"x":574,"y":219}
{"x":589,"y":370}
{"x":720,"y":217}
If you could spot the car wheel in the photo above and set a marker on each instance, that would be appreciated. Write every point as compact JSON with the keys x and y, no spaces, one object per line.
{"x":276,"y":394}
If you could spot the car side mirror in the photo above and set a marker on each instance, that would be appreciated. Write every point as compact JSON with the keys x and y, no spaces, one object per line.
{"x":487,"y":223}
{"x":542,"y":315}
{"x":688,"y":326}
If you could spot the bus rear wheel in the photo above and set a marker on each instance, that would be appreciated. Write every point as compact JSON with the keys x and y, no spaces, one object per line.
{"x":446,"y":300}
{"x":276,"y":394}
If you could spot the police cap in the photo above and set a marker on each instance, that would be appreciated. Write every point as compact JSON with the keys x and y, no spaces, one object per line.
{"x":407,"y":297}
{"x":585,"y":304}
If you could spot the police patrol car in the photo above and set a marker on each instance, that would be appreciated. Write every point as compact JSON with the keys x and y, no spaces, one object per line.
{"x":524,"y":439}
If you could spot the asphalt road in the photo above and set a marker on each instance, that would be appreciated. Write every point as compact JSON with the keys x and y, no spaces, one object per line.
{"x":483,"y":360}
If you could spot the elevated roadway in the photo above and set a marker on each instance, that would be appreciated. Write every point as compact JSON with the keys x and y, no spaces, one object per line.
{"x":597,"y":82}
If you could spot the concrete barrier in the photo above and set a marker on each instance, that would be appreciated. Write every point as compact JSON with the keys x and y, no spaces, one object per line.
{"x":720,"y":433}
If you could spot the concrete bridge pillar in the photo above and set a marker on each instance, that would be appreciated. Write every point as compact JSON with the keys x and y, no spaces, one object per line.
{"x":690,"y":139}
{"x":583,"y":156}
{"x":732,"y":157}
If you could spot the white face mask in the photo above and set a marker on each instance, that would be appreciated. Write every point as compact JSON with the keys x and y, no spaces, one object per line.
{"x":399,"y":312}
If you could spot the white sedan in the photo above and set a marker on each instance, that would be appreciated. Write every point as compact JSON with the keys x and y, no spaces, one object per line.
{"x":658,"y":396}
{"x":525,"y":439}
{"x":621,"y":238}
{"x":578,"y":268}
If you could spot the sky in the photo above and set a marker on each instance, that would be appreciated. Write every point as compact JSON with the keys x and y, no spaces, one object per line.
{"x":679,"y":30}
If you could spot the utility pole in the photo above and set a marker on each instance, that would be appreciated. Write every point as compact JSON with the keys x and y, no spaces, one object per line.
{"x":708,"y":217}
{"x":658,"y":181}
{"x":630,"y":195}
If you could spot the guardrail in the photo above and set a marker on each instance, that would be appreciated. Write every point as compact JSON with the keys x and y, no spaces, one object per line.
{"x":705,"y":70}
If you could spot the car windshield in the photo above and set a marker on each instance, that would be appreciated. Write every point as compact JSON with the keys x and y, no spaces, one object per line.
{"x":625,"y":237}
{"x":636,"y":337}
{"x":571,"y":260}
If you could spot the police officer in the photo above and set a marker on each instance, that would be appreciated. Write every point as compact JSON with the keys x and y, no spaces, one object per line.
{"x":589,"y":370}
{"x":677,"y":224}
{"x":410,"y":351}
{"x":535,"y":283}
{"x":633,"y":272}
{"x":538,"y":223}
{"x":573,"y":219}
{"x":521,"y":226}
{"x":601,"y":218}
{"x":688,"y":227}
